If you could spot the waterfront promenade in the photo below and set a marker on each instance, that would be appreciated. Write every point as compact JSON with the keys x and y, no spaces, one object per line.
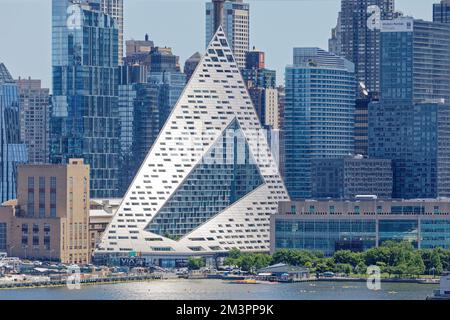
{"x":47,"y":283}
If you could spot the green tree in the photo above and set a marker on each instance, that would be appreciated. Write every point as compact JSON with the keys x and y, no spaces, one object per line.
{"x":432,"y":261}
{"x":374,"y":255}
{"x":391,"y":253}
{"x":383,"y":267}
{"x":262,"y":260}
{"x":253,"y":261}
{"x":415,"y":265}
{"x":317,"y":254}
{"x":283,"y":256}
{"x":234,"y":253}
{"x":445,"y":258}
{"x":361,"y":268}
{"x":344,"y":268}
{"x":196,"y":263}
{"x":309,"y":265}
{"x":399,"y":270}
{"x":249,"y":262}
{"x":347,"y":257}
{"x":294,"y":257}
{"x":325,"y":265}
{"x":234,"y":258}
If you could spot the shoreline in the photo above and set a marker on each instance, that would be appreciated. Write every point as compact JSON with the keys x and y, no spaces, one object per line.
{"x":105,"y":281}
{"x":83,"y":282}
{"x":385,"y":280}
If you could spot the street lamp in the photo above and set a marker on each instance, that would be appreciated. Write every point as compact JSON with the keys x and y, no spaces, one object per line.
{"x":433,"y":269}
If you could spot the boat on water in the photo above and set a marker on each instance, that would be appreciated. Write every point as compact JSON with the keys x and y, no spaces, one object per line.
{"x":443,"y":293}
{"x":245,"y":281}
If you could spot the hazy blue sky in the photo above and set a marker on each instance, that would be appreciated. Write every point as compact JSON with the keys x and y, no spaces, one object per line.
{"x":276,"y":27}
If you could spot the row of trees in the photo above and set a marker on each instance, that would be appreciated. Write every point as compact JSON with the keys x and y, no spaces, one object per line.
{"x":393,"y":258}
{"x":196,"y":263}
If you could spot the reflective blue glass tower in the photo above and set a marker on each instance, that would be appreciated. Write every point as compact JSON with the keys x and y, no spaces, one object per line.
{"x":441,"y":11}
{"x":166,"y":77}
{"x":139,"y":128}
{"x":318,"y":114}
{"x":12,"y":151}
{"x":84,"y":121}
{"x":408,"y":125}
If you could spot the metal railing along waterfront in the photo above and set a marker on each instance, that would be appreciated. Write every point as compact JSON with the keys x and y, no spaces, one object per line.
{"x":83,"y":281}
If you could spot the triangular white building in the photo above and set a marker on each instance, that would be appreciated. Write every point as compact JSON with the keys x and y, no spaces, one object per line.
{"x":209,"y":184}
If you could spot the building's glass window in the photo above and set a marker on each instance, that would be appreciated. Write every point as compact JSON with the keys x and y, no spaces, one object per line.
{"x":30,"y":200}
{"x":326,"y":235}
{"x":35,"y":234}
{"x":41,"y":197}
{"x":35,"y":239}
{"x":293,"y":209}
{"x":226,"y":174}
{"x":399,"y":230}
{"x":435,"y":233}
{"x":407,"y":209}
{"x":53,"y":183}
{"x":53,"y":197}
{"x":47,"y":236}
{"x":24,"y":234}
{"x":31,"y":183}
{"x":3,"y":237}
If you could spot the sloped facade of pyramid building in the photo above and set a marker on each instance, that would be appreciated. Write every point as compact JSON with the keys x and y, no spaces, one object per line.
{"x":209,"y":184}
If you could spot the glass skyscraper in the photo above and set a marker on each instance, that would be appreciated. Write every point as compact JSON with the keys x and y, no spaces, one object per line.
{"x":166,"y":77}
{"x":114,"y":8}
{"x":441,"y":11}
{"x":34,"y":119}
{"x":354,"y":40}
{"x":146,"y":99}
{"x":13,"y":151}
{"x":191,"y":64}
{"x":408,"y":124}
{"x":84,"y":120}
{"x":318,"y":114}
{"x":139,"y":128}
{"x":414,"y":65}
{"x":234,"y":17}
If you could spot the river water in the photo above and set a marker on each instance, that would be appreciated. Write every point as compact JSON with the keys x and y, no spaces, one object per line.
{"x":178,"y":289}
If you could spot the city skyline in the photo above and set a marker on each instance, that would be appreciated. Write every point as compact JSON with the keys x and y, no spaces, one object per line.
{"x":263,"y":36}
{"x":216,"y":169}
{"x":308,"y":139}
